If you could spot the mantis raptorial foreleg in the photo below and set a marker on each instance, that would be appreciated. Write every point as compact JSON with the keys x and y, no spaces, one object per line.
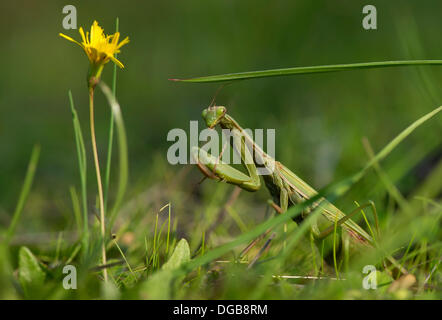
{"x":218,"y":170}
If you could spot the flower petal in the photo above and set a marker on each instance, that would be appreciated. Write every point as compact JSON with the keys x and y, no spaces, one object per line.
{"x":85,"y":40}
{"x":122,"y":43}
{"x":99,"y":47}
{"x":117,"y":62}
{"x":70,"y":39}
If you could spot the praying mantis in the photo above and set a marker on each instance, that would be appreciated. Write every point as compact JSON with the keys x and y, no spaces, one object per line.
{"x":285,"y":187}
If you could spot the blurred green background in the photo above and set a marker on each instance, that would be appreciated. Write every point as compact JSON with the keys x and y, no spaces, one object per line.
{"x":319,"y":119}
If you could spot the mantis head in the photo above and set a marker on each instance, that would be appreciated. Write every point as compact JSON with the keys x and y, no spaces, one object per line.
{"x":213,"y":115}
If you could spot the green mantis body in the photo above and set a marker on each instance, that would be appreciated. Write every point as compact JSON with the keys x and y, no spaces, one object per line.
{"x":286,"y":187}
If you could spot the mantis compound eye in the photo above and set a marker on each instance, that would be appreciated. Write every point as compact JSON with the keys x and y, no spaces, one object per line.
{"x":220,"y":111}
{"x":212,"y":115}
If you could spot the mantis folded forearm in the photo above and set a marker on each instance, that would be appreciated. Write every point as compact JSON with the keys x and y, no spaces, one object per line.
{"x":286,"y":188}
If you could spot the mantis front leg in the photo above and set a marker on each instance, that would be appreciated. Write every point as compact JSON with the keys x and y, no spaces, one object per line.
{"x":214,"y":168}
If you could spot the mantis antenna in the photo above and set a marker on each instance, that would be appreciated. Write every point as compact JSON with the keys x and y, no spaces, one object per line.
{"x":212,"y":103}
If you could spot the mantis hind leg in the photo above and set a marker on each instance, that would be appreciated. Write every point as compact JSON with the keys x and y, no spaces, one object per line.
{"x":359,"y":209}
{"x":283,"y":199}
{"x":295,"y":199}
{"x":337,"y":246}
{"x":284,"y":203}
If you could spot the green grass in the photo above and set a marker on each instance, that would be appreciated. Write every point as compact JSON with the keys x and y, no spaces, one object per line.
{"x":49,"y":210}
{"x":307,"y":70}
{"x":149,"y":229}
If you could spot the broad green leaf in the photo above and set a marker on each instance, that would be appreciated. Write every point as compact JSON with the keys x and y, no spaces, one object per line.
{"x":160,"y":284}
{"x":109,"y":291}
{"x":30,"y":274}
{"x":180,"y":255}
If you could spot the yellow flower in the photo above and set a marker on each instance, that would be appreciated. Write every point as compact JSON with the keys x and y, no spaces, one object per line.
{"x":98,"y":47}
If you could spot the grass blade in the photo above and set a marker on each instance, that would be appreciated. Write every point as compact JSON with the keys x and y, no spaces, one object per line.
{"x":32,"y":166}
{"x":122,"y":146}
{"x":308,"y":70}
{"x":111,"y":131}
{"x":82,"y":166}
{"x":76,"y":207}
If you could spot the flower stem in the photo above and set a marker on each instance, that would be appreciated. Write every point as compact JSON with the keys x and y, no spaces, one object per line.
{"x":100,"y":187}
